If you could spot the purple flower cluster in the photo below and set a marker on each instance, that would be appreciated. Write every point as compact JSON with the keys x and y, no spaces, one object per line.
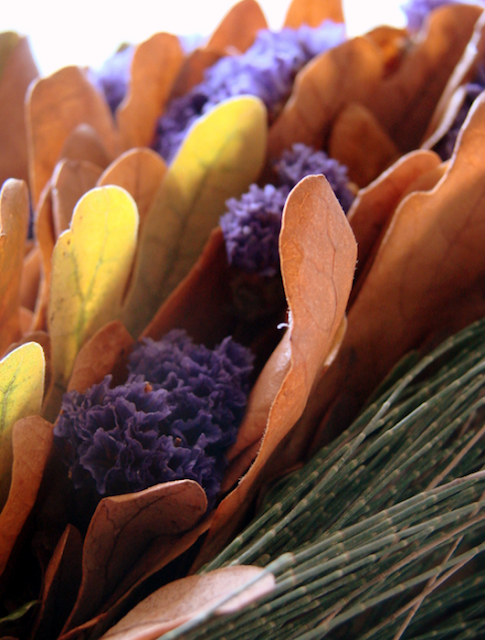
{"x":266,"y":70}
{"x":113,"y":77}
{"x":174,"y":418}
{"x":252,"y":223}
{"x":416,"y":11}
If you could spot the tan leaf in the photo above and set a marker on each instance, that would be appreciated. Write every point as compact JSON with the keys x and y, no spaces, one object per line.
{"x":30,"y":279}
{"x":393,"y":44}
{"x":313,"y":12}
{"x":120,"y":531}
{"x":359,"y":142}
{"x":17,"y":73}
{"x":318,"y":254}
{"x":155,"y":65}
{"x":56,"y":105}
{"x":44,"y":232}
{"x":140,"y":172}
{"x":31,"y":442}
{"x":181,"y":600}
{"x":193,"y":69}
{"x":70,"y":181}
{"x":83,"y":143}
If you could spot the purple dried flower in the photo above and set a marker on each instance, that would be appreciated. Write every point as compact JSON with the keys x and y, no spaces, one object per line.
{"x":416,"y":11}
{"x":174,"y":418}
{"x":113,"y":77}
{"x":266,"y":70}
{"x":301,"y":161}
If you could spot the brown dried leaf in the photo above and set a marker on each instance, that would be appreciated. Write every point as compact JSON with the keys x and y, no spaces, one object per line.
{"x":31,"y":443}
{"x":70,"y":181}
{"x":313,"y":12}
{"x":44,"y":232}
{"x":120,"y":531}
{"x":83,"y":143}
{"x":405,"y":100}
{"x":30,"y":279}
{"x":359,"y":142}
{"x":105,"y":353}
{"x":17,"y":73}
{"x":429,"y":260}
{"x":56,"y":105}
{"x":193,"y":69}
{"x":350,"y":72}
{"x":155,"y":65}
{"x":140,"y":172}
{"x":392,"y":43}
{"x":14,"y":218}
{"x":318,"y":254}
{"x":238,"y":28}
{"x":181,"y":600}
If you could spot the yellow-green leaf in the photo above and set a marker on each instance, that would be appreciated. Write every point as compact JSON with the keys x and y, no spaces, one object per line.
{"x":91,"y":264}
{"x":21,"y":390}
{"x":222,"y":154}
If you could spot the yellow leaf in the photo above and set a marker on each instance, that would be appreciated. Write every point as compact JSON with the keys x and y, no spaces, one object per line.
{"x":21,"y":390}
{"x":222,"y":154}
{"x":91,"y":263}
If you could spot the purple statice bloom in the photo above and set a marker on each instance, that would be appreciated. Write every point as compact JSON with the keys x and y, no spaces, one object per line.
{"x":173,"y":419}
{"x":301,"y":161}
{"x":266,"y":70}
{"x":252,"y":224}
{"x":416,"y":11}
{"x":113,"y":77}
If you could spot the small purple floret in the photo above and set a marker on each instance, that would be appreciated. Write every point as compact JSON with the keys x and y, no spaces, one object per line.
{"x":113,"y":77}
{"x":173,"y":419}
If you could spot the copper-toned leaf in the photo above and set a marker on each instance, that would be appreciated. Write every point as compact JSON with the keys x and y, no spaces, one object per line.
{"x":17,"y":70}
{"x":313,"y":12}
{"x":100,"y":356}
{"x":430,"y":259}
{"x":14,"y":218}
{"x":393,"y":44}
{"x":181,"y":600}
{"x":70,"y":181}
{"x":238,"y":28}
{"x":44,"y":232}
{"x":56,"y":105}
{"x":83,"y":143}
{"x":350,"y":72}
{"x":318,"y":254}
{"x":193,"y":69}
{"x":30,"y":280}
{"x":155,"y":65}
{"x":31,"y":442}
{"x":121,"y":529}
{"x":140,"y":172}
{"x":405,"y":100}
{"x":359,"y":142}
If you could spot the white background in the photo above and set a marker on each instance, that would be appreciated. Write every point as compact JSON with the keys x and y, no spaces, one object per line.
{"x":86,"y":32}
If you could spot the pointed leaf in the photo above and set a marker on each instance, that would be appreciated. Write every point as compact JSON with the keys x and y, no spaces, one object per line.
{"x":121,"y":529}
{"x":56,"y":105}
{"x":31,"y":445}
{"x":90,"y":266}
{"x":238,"y":28}
{"x":318,"y":254}
{"x":140,"y":172}
{"x":313,"y":12}
{"x":155,"y":65}
{"x":181,"y":600}
{"x":17,"y":70}
{"x":14,"y":217}
{"x":192,"y":197}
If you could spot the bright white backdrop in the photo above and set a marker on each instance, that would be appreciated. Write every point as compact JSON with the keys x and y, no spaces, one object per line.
{"x":89,"y":31}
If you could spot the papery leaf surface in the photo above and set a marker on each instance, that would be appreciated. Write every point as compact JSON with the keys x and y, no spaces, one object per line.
{"x":122,"y":528}
{"x":56,"y":105}
{"x":84,"y":144}
{"x":140,"y":172}
{"x":155,"y":65}
{"x":14,"y":219}
{"x":70,"y":181}
{"x":222,"y":154}
{"x":91,"y":263}
{"x":349,"y":72}
{"x":30,"y":278}
{"x":313,"y":12}
{"x":318,"y":254}
{"x":31,"y":445}
{"x":45,"y":236}
{"x":17,"y":71}
{"x":181,"y":600}
{"x":358,"y":141}
{"x":428,"y":264}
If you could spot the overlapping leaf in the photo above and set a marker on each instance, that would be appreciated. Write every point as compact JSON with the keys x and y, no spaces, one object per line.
{"x":222,"y":154}
{"x":313,"y":12}
{"x":90,"y":267}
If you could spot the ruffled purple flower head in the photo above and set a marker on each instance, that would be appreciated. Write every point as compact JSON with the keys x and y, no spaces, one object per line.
{"x":113,"y":77}
{"x":416,"y":11}
{"x":174,"y":418}
{"x":266,"y":70}
{"x":252,"y":224}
